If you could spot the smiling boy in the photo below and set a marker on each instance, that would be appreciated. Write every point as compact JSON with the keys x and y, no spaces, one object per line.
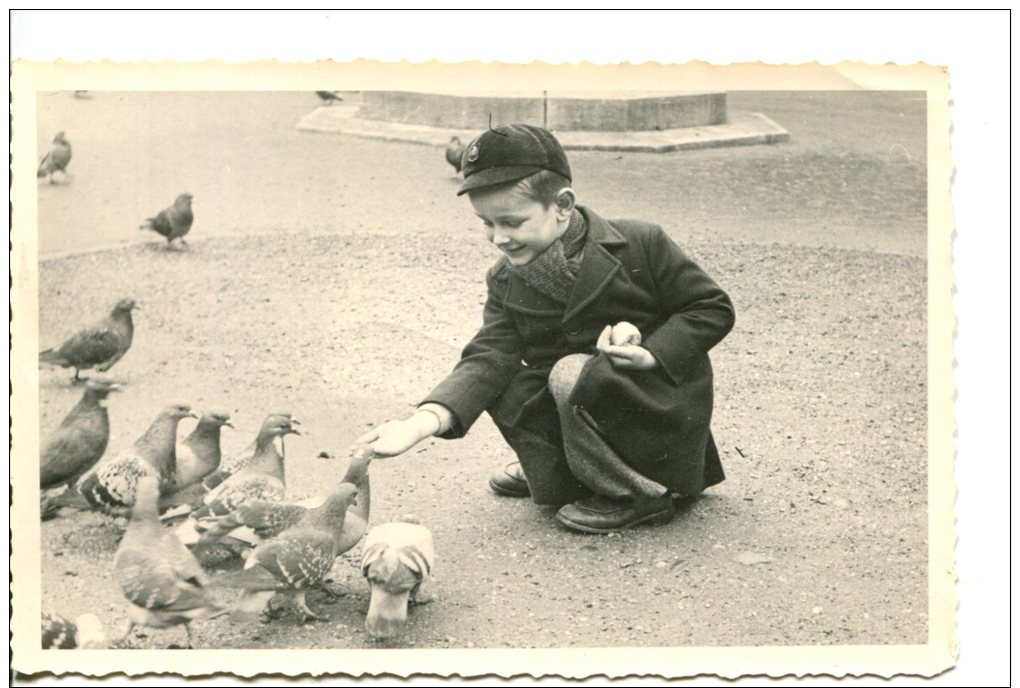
{"x":607,"y":432}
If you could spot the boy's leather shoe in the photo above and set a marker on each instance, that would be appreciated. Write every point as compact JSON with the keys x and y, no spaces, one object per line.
{"x":599,"y":514}
{"x":510,"y":482}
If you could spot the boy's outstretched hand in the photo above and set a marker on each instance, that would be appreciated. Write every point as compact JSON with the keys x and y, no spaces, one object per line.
{"x":394,"y":437}
{"x":627,"y":357}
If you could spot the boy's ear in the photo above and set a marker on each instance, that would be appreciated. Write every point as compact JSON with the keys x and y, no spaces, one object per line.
{"x":565,"y":201}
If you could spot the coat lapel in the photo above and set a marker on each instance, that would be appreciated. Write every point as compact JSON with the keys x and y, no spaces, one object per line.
{"x":598,"y":265}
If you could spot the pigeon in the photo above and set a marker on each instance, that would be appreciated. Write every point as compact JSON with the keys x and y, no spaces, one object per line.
{"x":198,"y":454}
{"x":99,"y":346}
{"x":397,"y":561}
{"x":80,"y":440}
{"x":262,"y":479}
{"x":157,"y":574}
{"x":455,"y":153}
{"x":173,"y":222}
{"x":56,"y":159}
{"x":60,"y":633}
{"x":232,"y":465}
{"x":258,"y":520}
{"x":183,"y":502}
{"x":329,"y":97}
{"x":294,"y":561}
{"x":113,"y":484}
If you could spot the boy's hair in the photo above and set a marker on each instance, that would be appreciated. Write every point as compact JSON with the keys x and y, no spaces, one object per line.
{"x":543,"y":186}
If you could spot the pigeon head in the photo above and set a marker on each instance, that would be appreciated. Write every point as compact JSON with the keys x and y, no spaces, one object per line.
{"x":217,"y":417}
{"x":101,"y":385}
{"x":59,"y":138}
{"x":455,"y":139}
{"x":184,"y":200}
{"x":360,"y":458}
{"x":286,"y":414}
{"x":334,"y":509}
{"x":179,"y":411}
{"x":278,"y":426}
{"x":125,"y":305}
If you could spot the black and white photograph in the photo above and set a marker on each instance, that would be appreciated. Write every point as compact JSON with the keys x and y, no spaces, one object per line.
{"x":515,"y":363}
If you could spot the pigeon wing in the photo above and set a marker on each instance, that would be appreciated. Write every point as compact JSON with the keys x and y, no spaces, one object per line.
{"x":71,"y":451}
{"x":90,"y":346}
{"x":299,"y":560}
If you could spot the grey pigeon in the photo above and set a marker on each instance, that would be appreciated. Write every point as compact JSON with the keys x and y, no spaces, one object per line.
{"x":182,"y":502}
{"x":60,"y":633}
{"x":397,"y":561}
{"x":56,"y":159}
{"x":262,"y":479}
{"x":113,"y":484}
{"x":99,"y":346}
{"x":80,"y":440}
{"x":161,"y":579}
{"x":198,"y":454}
{"x":235,"y":463}
{"x":297,"y":559}
{"x":455,"y":153}
{"x":329,"y":97}
{"x":173,"y":222}
{"x":258,"y":520}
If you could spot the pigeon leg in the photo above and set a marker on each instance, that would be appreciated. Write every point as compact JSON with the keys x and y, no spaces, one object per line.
{"x":306,"y":612}
{"x":128,"y":627}
{"x":187,"y":629}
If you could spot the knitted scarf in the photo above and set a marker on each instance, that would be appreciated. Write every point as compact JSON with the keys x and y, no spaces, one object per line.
{"x":554,"y":271}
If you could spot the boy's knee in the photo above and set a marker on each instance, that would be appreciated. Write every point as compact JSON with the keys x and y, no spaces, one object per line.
{"x":564,"y":375}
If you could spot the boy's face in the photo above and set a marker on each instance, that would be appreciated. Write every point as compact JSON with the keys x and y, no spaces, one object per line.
{"x":518,"y":225}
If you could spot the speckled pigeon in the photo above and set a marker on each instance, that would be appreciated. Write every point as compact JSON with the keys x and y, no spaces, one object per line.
{"x":173,"y":222}
{"x":60,"y":633}
{"x":158,"y":575}
{"x":297,"y":559}
{"x":99,"y":345}
{"x":112,"y":485}
{"x":56,"y":159}
{"x":455,"y":153}
{"x":256,"y":521}
{"x":397,"y":561}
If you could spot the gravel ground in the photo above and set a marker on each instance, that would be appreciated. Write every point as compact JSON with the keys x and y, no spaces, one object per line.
{"x":339,"y":276}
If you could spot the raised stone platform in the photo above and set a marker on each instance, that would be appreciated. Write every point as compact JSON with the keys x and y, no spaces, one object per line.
{"x":597,"y":121}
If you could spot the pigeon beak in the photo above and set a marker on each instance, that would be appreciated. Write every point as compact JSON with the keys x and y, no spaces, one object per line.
{"x":228,"y":424}
{"x":295,"y":421}
{"x":191,"y":414}
{"x":293,"y":431}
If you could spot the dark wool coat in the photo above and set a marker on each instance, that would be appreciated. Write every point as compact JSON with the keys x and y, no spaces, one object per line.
{"x":656,"y":420}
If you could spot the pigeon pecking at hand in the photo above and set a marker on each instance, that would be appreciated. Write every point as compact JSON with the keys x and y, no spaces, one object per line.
{"x":114,"y":483}
{"x":397,"y":561}
{"x":173,"y":222}
{"x":60,"y":633}
{"x":297,"y":559}
{"x":455,"y":153}
{"x":161,"y":579}
{"x":56,"y":159}
{"x":99,"y":345}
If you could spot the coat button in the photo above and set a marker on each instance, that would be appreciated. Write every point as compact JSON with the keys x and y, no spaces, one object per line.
{"x":573,"y":331}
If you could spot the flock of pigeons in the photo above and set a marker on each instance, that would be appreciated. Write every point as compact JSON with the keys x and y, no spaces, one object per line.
{"x":184,"y":498}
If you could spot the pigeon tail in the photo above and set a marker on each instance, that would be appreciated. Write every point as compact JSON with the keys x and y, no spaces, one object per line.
{"x":53,"y":357}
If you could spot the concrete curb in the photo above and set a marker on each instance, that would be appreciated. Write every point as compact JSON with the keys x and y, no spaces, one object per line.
{"x":742,"y":129}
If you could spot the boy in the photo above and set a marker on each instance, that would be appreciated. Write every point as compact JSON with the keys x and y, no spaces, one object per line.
{"x":607,"y":431}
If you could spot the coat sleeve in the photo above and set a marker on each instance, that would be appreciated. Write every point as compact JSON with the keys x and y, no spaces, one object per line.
{"x":698,"y":313}
{"x":487,"y":364}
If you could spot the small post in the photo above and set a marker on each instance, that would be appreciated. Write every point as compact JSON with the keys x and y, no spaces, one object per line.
{"x":545,"y":109}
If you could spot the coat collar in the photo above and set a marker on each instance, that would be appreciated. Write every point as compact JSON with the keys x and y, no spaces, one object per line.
{"x":597,"y":268}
